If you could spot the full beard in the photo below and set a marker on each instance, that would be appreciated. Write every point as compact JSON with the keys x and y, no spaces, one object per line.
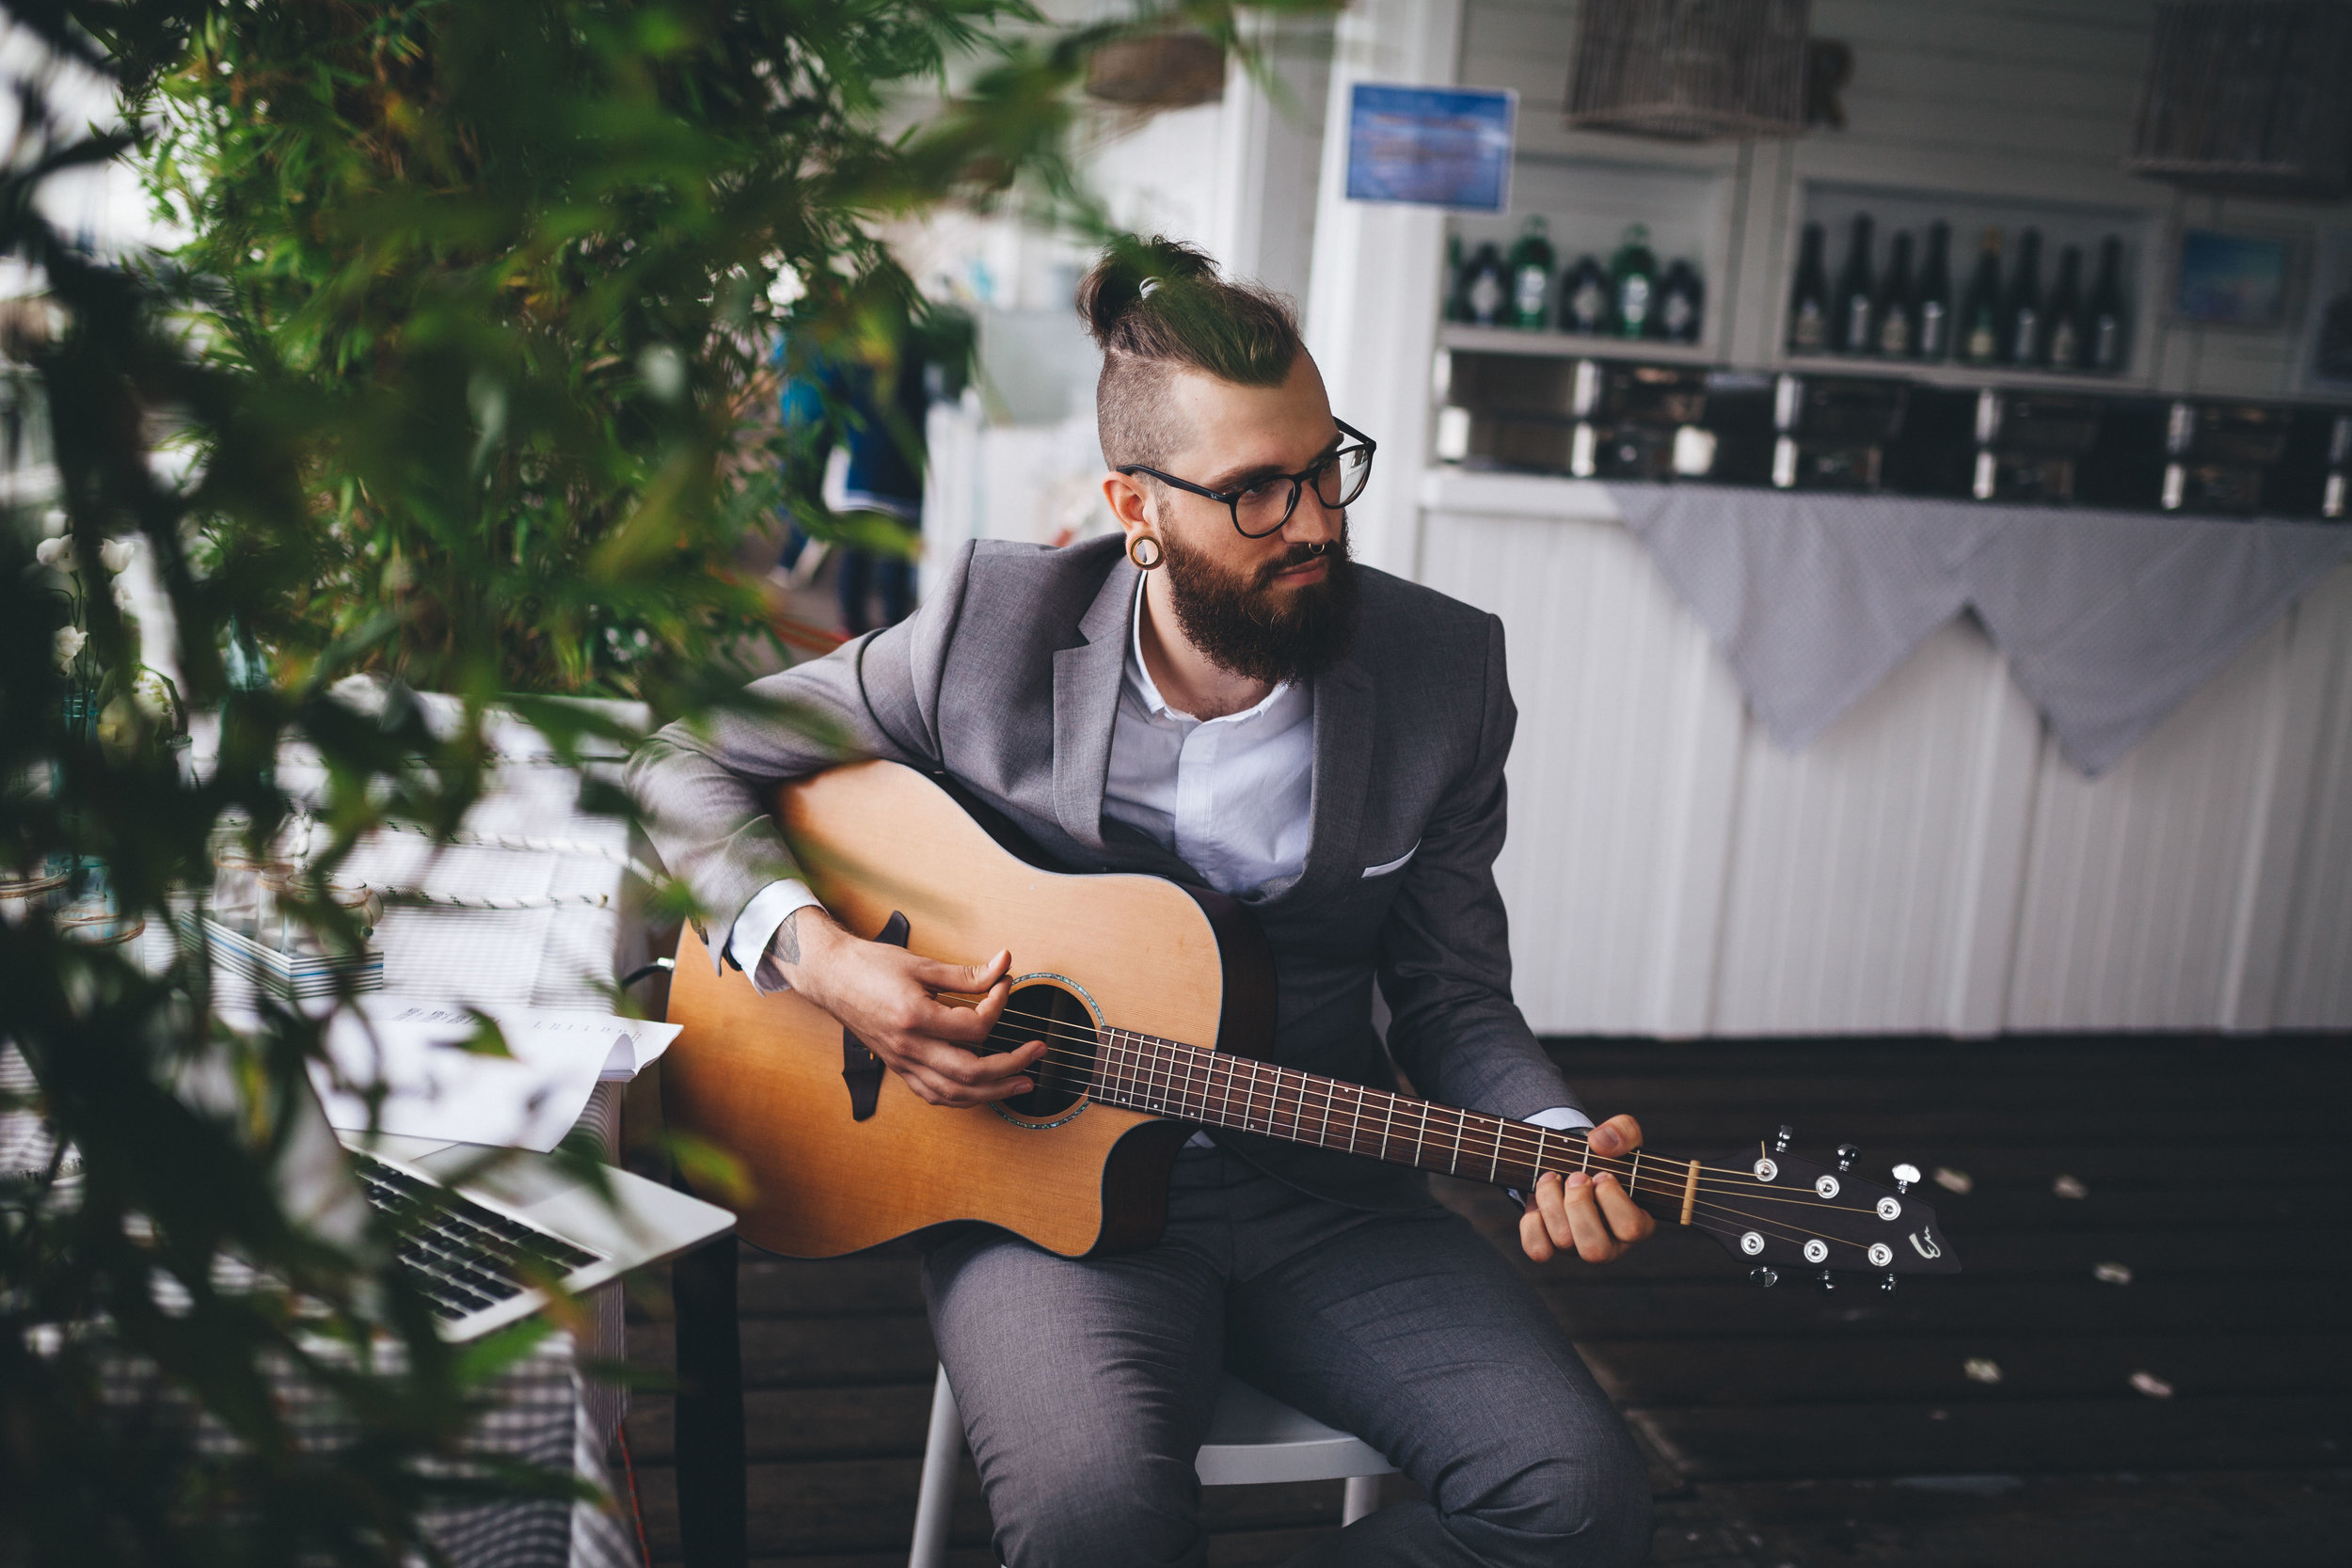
{"x":1247,"y":626}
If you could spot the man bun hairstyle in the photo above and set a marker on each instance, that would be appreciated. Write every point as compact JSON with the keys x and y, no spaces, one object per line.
{"x":1157,"y":306}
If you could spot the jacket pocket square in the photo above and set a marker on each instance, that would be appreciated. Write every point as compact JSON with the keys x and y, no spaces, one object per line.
{"x":1387,"y":866}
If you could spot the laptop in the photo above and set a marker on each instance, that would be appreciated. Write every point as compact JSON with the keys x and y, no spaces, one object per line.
{"x":477,"y":1226}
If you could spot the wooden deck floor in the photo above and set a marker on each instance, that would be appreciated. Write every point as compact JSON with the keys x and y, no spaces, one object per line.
{"x":1789,"y":1427}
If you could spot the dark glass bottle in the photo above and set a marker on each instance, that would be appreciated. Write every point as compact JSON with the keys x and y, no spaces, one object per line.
{"x":1853,"y":312}
{"x":1808,"y":300}
{"x":2069,"y":334}
{"x":2109,"y":326}
{"x":1931,"y":306}
{"x":1584,"y":297}
{"x":1486,"y":293}
{"x":1682,"y":303}
{"x":1633,"y":284}
{"x":1457,"y":277}
{"x":1979,"y":340}
{"x":1531,"y":278}
{"x":1897,"y":321}
{"x":2026,"y":326}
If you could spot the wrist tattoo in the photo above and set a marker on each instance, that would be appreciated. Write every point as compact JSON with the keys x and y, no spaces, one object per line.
{"x":787,"y":938}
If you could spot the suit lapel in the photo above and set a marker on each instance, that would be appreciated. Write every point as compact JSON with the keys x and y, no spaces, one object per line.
{"x":1086,"y":705}
{"x":1342,"y":776}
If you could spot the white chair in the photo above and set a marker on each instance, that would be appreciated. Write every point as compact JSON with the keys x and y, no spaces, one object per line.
{"x":1253,"y":1439}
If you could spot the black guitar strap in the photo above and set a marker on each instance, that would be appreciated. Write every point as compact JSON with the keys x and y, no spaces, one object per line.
{"x":860,"y":1067}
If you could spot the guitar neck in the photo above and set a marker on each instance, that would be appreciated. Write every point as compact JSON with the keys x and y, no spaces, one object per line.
{"x":1143,"y":1072}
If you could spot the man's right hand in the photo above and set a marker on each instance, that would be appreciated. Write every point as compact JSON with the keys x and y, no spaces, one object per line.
{"x":886,"y":996}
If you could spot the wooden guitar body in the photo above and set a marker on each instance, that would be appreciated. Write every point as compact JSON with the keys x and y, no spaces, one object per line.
{"x":762,"y":1076}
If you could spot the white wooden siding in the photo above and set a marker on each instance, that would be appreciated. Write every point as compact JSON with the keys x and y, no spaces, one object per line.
{"x":1932,"y":863}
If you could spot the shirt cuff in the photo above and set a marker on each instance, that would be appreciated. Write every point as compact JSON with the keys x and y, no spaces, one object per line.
{"x":756,"y":927}
{"x":1560,"y":1118}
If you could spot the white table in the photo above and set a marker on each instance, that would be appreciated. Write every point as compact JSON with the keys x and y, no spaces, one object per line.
{"x":579,"y":929}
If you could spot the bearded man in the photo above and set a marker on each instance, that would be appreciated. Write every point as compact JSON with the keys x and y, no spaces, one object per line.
{"x":1217,"y":694}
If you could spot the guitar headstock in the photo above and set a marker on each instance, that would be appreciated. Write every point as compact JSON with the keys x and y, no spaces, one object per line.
{"x":1776,"y":1212}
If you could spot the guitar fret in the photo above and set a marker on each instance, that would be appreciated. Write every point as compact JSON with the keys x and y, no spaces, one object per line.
{"x":1538,"y":1170}
{"x":1461,"y":1123}
{"x":1388,"y":1119}
{"x":1495,"y":1169}
{"x":1323,"y":1138}
{"x":1421,"y":1136}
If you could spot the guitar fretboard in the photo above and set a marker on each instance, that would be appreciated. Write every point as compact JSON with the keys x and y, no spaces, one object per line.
{"x":1143,"y":1072}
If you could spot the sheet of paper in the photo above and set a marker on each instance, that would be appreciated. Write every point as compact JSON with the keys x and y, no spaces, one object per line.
{"x":437,"y":1089}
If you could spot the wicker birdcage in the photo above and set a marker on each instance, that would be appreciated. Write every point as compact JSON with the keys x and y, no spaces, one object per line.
{"x":2249,"y":96}
{"x":1692,"y":70}
{"x":1162,"y":70}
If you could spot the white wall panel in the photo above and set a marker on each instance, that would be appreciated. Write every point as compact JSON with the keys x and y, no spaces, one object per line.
{"x":1932,"y":863}
{"x":2134,"y":888}
{"x":2314,"y":984}
{"x":1848,"y":901}
{"x":1620,"y":777}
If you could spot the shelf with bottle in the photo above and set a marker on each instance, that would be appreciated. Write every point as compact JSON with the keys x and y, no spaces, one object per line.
{"x":1633,"y":301}
{"x":1900,"y":308}
{"x":1569,"y":345}
{"x":1929,"y":373}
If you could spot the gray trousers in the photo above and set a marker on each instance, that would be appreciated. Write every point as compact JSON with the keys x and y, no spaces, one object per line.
{"x":1086,"y":1383}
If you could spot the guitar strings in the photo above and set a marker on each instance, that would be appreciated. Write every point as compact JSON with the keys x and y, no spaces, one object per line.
{"x":1514,"y":1142}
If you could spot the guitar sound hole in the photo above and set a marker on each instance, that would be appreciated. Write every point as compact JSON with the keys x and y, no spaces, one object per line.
{"x":1067,"y":1070}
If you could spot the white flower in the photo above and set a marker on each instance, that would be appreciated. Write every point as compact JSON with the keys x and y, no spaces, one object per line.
{"x":70,"y":641}
{"x":125,"y":600}
{"x":55,"y":553}
{"x":115,"y":554}
{"x":154,"y":697}
{"x":53,"y":522}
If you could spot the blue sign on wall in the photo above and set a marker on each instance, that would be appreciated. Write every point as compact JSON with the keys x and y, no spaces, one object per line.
{"x":1434,"y":146}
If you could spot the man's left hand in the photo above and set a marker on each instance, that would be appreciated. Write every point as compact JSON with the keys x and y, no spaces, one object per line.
{"x":1591,"y":1216}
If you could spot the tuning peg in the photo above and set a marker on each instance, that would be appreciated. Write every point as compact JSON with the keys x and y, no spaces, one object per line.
{"x":1763,"y":1277}
{"x":1827,"y":1283}
{"x":1780,"y":1144}
{"x":1846,"y":1155}
{"x":1888,"y":1285}
{"x":1905,"y":1174}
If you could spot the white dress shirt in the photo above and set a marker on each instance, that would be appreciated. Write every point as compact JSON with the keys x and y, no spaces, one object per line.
{"x":1233,"y":798}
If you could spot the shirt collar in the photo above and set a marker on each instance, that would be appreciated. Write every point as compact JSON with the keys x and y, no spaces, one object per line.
{"x":1150,"y":692}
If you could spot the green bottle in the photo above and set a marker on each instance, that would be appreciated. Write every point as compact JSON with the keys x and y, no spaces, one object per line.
{"x":1531,"y":278}
{"x":1633,"y":283}
{"x":1456,"y":281}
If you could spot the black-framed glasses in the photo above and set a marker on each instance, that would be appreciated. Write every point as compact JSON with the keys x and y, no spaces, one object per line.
{"x":1262,"y":507}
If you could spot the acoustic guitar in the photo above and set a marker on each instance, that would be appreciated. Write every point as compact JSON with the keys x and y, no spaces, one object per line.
{"x":1156,"y":1003}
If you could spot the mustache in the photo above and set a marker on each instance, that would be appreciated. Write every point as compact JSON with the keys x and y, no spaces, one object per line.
{"x":1299,"y":555}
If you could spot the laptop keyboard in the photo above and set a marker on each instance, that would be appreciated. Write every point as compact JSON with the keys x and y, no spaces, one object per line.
{"x":462,"y":1256}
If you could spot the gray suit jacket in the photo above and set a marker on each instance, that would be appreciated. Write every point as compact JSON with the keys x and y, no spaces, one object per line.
{"x":1008,"y":679}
